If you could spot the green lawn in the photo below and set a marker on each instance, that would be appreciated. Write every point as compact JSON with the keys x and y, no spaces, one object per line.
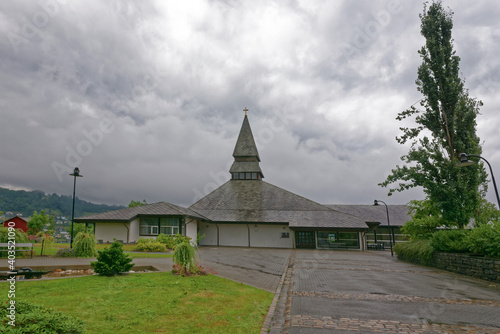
{"x":151,"y":303}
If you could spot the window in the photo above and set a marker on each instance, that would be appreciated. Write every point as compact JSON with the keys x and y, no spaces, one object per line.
{"x":156,"y":225}
{"x":169,"y":226}
{"x":149,"y":226}
{"x":285,"y":234}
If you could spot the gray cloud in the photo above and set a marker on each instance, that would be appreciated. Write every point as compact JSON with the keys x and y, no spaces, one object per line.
{"x":147,"y":99}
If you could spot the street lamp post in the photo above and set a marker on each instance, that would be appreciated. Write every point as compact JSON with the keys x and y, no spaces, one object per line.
{"x":464,"y":161}
{"x":376,"y":203}
{"x":76,"y":173}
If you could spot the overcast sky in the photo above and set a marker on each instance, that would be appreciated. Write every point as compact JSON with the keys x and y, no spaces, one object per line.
{"x":147,"y":98}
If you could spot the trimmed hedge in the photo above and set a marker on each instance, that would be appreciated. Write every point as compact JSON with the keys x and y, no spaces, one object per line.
{"x":417,"y":251}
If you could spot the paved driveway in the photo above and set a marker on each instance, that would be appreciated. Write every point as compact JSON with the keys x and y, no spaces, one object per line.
{"x":370,"y":292}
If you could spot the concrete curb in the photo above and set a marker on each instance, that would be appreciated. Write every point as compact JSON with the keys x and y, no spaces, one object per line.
{"x":275,"y":317}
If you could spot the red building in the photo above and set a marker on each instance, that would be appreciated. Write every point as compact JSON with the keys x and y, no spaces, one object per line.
{"x":17,"y":223}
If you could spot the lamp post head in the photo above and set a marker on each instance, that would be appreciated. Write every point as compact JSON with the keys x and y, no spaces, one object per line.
{"x":375,"y":203}
{"x":464,"y":160}
{"x":76,"y":172}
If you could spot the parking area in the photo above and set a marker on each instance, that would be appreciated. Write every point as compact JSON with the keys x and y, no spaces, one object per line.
{"x":372,"y":292}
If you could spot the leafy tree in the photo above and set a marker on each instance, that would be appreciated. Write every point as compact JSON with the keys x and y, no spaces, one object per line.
{"x":445,"y":128}
{"x":79,"y":227}
{"x":133,"y":203}
{"x":486,"y":213}
{"x":425,"y":219}
{"x":40,"y":222}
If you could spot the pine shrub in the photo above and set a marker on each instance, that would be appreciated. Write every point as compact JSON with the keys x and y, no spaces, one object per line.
{"x":112,"y":260}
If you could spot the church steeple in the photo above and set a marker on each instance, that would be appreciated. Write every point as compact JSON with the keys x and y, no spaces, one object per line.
{"x":246,"y":157}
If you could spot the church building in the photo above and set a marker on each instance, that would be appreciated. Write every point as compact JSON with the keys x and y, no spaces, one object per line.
{"x":247,"y":211}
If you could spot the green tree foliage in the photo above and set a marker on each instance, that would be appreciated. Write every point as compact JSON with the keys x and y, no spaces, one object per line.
{"x":485,"y":240}
{"x":84,"y":245}
{"x":444,"y":129}
{"x":450,"y":241}
{"x":79,"y":228}
{"x":112,"y":260}
{"x":425,"y":219}
{"x":133,"y":203}
{"x":41,"y":222}
{"x":20,"y":237}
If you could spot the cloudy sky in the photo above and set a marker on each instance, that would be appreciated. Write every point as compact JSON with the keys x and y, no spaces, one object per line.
{"x":147,"y":98}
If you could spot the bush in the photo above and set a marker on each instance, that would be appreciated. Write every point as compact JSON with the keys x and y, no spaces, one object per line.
{"x":484,"y":240}
{"x":84,"y":245}
{"x":453,"y":241}
{"x":38,"y":319}
{"x":167,"y":240}
{"x":151,"y":246}
{"x":65,"y":252}
{"x":184,"y":260}
{"x":112,"y":260}
{"x":172,"y":241}
{"x":19,"y":236}
{"x":418,"y":251}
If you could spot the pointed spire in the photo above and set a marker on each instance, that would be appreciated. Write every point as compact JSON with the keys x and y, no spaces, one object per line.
{"x":246,"y":155}
{"x":245,"y":145}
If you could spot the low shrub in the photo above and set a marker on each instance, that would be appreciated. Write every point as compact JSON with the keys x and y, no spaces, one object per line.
{"x":171,"y":241}
{"x":452,"y":241}
{"x":84,"y":245}
{"x":112,"y":260}
{"x":484,"y":240}
{"x":167,"y":240}
{"x":151,"y":246}
{"x":417,"y":251}
{"x":31,"y":318}
{"x":65,"y":252}
{"x":19,"y":236}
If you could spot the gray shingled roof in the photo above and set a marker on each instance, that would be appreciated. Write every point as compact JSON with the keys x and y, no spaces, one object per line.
{"x":129,"y":214}
{"x":245,"y":166}
{"x":257,"y":201}
{"x":245,"y":145}
{"x":398,"y":214}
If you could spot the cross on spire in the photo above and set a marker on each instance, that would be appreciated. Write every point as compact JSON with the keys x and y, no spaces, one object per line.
{"x":245,"y":110}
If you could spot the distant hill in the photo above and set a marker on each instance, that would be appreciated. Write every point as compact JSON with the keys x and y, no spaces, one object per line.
{"x":25,"y":202}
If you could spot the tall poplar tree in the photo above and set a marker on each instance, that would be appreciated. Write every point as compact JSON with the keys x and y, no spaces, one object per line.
{"x":444,"y":128}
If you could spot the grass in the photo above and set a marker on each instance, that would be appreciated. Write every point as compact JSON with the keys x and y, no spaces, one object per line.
{"x":152,"y":303}
{"x":37,"y":248}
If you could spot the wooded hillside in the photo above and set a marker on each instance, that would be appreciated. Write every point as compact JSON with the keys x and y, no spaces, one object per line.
{"x":25,"y":202}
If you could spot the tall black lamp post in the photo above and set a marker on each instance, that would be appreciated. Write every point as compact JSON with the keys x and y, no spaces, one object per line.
{"x":464,"y":161}
{"x":76,"y":173}
{"x":376,"y":203}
